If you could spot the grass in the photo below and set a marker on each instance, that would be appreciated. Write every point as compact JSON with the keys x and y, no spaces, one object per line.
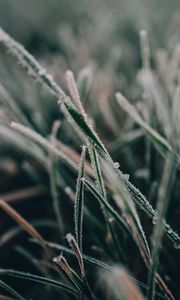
{"x":123,"y":241}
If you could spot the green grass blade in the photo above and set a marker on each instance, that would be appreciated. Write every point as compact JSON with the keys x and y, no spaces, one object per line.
{"x":118,"y":251}
{"x":85,"y":127}
{"x":109,"y":208}
{"x":97,"y":169}
{"x":98,"y":176}
{"x":124,"y":200}
{"x":10,"y":290}
{"x":38,"y":279}
{"x":143,"y":204}
{"x":101,"y":188}
{"x":79,"y":201}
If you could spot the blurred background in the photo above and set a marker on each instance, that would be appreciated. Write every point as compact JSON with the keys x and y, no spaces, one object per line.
{"x":99,"y":32}
{"x":98,"y":40}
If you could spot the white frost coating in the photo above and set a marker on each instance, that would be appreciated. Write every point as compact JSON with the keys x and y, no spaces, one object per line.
{"x":116,"y":165}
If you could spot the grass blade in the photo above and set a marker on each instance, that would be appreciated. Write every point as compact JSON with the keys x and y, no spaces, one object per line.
{"x":143,"y":204}
{"x":159,"y":141}
{"x":81,"y":285}
{"x":55,"y":195}
{"x":79,"y":200}
{"x":85,"y":127}
{"x":122,"y":223}
{"x":101,"y":188}
{"x":109,"y":208}
{"x":38,"y":279}
{"x":53,"y":180}
{"x":164,"y":192}
{"x":37,"y":138}
{"x":98,"y":174}
{"x":11,"y":104}
{"x":72,"y":87}
{"x":74,"y":246}
{"x":124,"y":200}
{"x":23,"y":223}
{"x":10,"y":290}
{"x":30,"y":64}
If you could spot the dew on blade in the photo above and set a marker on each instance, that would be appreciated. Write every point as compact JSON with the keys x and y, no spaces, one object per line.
{"x":116,"y":165}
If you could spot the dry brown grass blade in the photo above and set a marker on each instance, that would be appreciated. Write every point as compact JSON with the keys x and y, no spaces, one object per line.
{"x":23,"y":223}
{"x":164,"y":288}
{"x":23,"y":194}
{"x":2,"y":297}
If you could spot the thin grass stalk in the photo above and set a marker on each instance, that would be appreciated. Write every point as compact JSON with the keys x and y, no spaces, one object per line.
{"x":11,"y":104}
{"x":79,"y":201}
{"x":145,"y":53}
{"x":115,"y":238}
{"x":72,"y":87}
{"x":37,"y":138}
{"x":103,"y":201}
{"x":10,"y":290}
{"x":53,"y":182}
{"x":23,"y":223}
{"x":97,"y":169}
{"x":38,"y":279}
{"x":81,"y":286}
{"x":74,"y":246}
{"x":55,"y":196}
{"x":159,"y":141}
{"x":101,"y":188}
{"x":162,"y":205}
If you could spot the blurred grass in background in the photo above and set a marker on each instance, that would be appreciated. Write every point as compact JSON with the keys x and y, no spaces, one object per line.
{"x":99,"y":41}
